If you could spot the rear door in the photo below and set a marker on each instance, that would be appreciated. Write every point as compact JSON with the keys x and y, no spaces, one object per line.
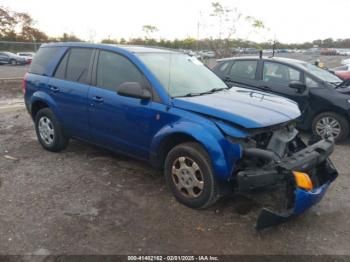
{"x":242,"y":73}
{"x":276,"y":78}
{"x":69,"y":87}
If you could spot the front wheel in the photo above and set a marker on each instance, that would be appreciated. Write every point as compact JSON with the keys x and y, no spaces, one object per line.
{"x":190,"y":177}
{"x":13,"y":62}
{"x":332,"y":124}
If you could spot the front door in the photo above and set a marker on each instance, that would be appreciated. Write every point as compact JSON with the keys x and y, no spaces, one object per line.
{"x":121,"y":123}
{"x":276,"y":78}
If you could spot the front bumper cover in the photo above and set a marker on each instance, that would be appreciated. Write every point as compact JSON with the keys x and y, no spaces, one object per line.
{"x":313,"y":160}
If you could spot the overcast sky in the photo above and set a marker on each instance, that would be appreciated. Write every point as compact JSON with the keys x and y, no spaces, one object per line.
{"x":288,"y":21}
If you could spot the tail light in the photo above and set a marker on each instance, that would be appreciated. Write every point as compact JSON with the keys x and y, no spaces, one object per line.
{"x":24,"y":83}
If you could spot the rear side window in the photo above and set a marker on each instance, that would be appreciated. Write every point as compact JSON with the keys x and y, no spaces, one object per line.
{"x":114,"y":69}
{"x":62,"y":67}
{"x":78,"y":64}
{"x":223,"y":67}
{"x":42,"y":59}
{"x":244,"y":69}
{"x":75,"y":65}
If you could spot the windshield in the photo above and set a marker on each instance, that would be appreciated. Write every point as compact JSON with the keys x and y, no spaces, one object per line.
{"x":322,"y":73}
{"x":181,"y":74}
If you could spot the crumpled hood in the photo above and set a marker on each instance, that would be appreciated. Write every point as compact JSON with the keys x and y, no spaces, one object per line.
{"x":245,"y":107}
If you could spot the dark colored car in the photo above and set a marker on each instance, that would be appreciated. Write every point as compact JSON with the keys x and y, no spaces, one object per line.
{"x":167,"y":108}
{"x":12,"y":59}
{"x":323,"y":98}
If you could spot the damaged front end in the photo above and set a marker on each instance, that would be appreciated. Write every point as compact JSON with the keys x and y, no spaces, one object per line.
{"x":279,"y":158}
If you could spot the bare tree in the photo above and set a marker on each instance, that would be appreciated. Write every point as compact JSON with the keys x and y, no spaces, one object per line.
{"x":19,"y":26}
{"x":227,"y":21}
{"x":149,"y":30}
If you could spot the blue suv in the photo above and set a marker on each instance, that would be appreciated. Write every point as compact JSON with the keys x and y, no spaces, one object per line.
{"x":167,"y":108}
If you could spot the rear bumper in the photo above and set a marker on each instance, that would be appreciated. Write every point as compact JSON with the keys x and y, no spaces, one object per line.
{"x":312,"y":160}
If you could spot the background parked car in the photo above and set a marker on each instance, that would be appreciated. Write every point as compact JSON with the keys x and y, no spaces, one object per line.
{"x":323,"y":98}
{"x":206,"y":54}
{"x":27,"y":55}
{"x":329,"y":51}
{"x":342,"y":72}
{"x":343,"y":51}
{"x":345,"y":61}
{"x":11,"y":58}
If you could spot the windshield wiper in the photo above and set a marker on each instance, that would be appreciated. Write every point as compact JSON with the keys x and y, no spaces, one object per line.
{"x":345,"y":83}
{"x":204,"y":93}
{"x":213,"y":90}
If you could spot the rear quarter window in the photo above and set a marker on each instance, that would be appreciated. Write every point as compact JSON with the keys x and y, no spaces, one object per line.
{"x":42,"y":59}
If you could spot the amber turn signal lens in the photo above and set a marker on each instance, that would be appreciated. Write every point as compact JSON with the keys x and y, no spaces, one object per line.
{"x":303,"y":180}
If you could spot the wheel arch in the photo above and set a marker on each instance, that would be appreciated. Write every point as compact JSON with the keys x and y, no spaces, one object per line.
{"x":210,"y":139}
{"x":41,"y":100}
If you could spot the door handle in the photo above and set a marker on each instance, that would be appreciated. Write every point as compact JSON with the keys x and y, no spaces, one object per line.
{"x":265,"y":87}
{"x":54,"y":89}
{"x":97,"y":99}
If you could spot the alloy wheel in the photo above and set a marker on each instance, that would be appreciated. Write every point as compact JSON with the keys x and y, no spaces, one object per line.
{"x":328,"y":126}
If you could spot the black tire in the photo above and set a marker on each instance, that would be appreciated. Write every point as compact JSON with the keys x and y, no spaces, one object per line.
{"x":59,"y":140}
{"x":13,"y":62}
{"x":343,"y":123}
{"x":194,"y":151}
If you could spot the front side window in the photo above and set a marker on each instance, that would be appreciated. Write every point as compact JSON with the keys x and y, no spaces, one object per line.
{"x":275,"y":72}
{"x":244,"y":69}
{"x":310,"y":82}
{"x":181,"y":74}
{"x":114,"y":69}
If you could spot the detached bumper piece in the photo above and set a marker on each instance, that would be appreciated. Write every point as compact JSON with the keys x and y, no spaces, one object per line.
{"x":313,"y":160}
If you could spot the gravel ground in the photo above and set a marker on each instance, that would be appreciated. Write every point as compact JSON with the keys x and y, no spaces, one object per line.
{"x":8,"y":71}
{"x":86,"y":200}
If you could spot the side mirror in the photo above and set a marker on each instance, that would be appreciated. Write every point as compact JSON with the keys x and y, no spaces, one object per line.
{"x":134,"y":89}
{"x":299,"y":86}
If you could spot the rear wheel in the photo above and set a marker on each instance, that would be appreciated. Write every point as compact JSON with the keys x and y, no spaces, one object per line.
{"x":189,"y":175}
{"x":49,"y":131}
{"x":331,"y":123}
{"x":13,"y":62}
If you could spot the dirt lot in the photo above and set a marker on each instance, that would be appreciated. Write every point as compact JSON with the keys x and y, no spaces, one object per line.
{"x":8,"y":71}
{"x":86,"y":200}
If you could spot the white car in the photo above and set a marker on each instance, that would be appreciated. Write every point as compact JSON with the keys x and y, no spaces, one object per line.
{"x":27,"y":55}
{"x":345,"y":61}
{"x":206,"y":54}
{"x":343,"y":51}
